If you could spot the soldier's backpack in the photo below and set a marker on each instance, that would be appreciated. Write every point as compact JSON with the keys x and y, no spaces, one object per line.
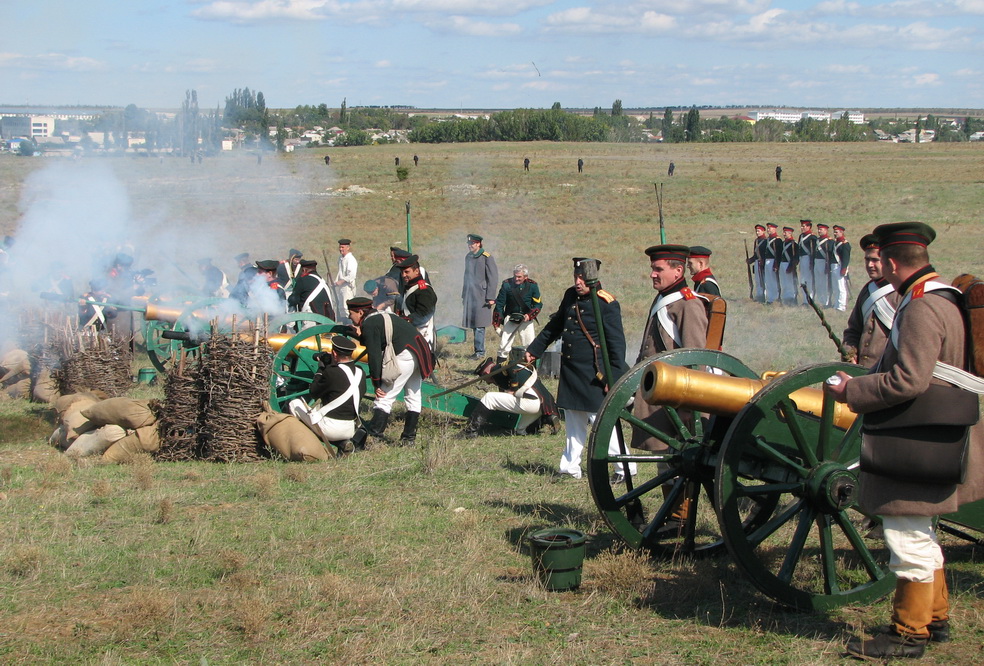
{"x":973,"y":308}
{"x":717,"y":315}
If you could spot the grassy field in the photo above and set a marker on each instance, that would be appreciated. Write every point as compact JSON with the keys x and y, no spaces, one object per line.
{"x":419,"y":555}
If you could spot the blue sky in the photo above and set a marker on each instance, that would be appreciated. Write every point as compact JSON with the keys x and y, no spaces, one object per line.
{"x":497,"y":53}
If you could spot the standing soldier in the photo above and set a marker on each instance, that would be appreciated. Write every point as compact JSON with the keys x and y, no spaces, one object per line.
{"x":583,"y":384}
{"x":345,"y":278}
{"x":787,"y":267}
{"x":478,"y":291}
{"x":699,"y":265}
{"x":415,"y":160}
{"x":526,"y":164}
{"x":773,"y":250}
{"x":822,"y":258}
{"x":327,"y":160}
{"x":757,"y":261}
{"x":806,"y":251}
{"x":216,"y":284}
{"x":778,"y":173}
{"x":516,"y":308}
{"x":273,"y":298}
{"x":419,"y":301}
{"x":399,"y":359}
{"x":839,"y":275}
{"x":288,"y":270}
{"x":94,"y":314}
{"x":670,"y":169}
{"x":311,"y":292}
{"x":580,"y":165}
{"x":928,"y":339}
{"x":871,"y":319}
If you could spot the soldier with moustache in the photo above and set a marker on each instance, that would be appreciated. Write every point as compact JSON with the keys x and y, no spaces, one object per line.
{"x":310,"y":292}
{"x":419,"y":301}
{"x":583,"y":385}
{"x":870,"y":322}
{"x":699,"y":265}
{"x":788,"y":260}
{"x":928,"y":342}
{"x":516,"y":308}
{"x":806,"y":249}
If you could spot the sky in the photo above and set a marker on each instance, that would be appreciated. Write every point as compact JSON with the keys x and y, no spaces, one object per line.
{"x":480,"y":54}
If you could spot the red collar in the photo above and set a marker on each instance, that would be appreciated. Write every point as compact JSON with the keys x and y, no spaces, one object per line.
{"x":700,"y":276}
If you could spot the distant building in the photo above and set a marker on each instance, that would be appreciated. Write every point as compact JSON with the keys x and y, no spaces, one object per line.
{"x":791,"y":116}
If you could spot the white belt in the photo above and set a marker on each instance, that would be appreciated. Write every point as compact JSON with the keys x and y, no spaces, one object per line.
{"x":959,"y":378}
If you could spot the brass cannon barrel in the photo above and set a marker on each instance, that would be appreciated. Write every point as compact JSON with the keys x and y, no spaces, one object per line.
{"x":311,"y":344}
{"x":723,"y":395}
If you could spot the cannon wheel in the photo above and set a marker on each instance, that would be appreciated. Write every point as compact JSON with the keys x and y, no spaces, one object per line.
{"x":686,"y":471}
{"x":294,"y":366}
{"x":162,"y":352}
{"x":811,"y":554}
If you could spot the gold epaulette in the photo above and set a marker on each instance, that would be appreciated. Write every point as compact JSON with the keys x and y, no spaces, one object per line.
{"x":607,"y":297}
{"x":485,"y":253}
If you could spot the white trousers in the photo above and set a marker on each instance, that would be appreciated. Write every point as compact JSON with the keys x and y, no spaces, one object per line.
{"x":328,"y":430}
{"x":511,"y":331}
{"x":806,"y":276}
{"x":771,"y":281}
{"x":821,"y":291}
{"x":576,"y":424}
{"x":838,"y":283}
{"x":343,"y":293}
{"x":408,"y":381}
{"x":511,"y":404}
{"x":788,"y":283}
{"x":915,"y":552}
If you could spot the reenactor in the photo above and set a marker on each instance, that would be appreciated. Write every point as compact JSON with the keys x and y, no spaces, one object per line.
{"x":580,"y":165}
{"x":787,"y":267}
{"x":699,"y":265}
{"x":516,"y":308}
{"x":583,"y":384}
{"x":773,"y":250}
{"x":526,"y":164}
{"x":520,"y":391}
{"x":216,"y":283}
{"x":310,"y":292}
{"x":757,"y":261}
{"x":419,"y":301}
{"x":822,"y":258}
{"x":870,"y":322}
{"x":918,"y":404}
{"x":288,"y":269}
{"x":399,"y":359}
{"x":807,"y":247}
{"x":840,"y":278}
{"x":383,"y":291}
{"x":478,"y":292}
{"x":348,"y":268}
{"x":94,"y":314}
{"x":273,"y":299}
{"x":778,"y":173}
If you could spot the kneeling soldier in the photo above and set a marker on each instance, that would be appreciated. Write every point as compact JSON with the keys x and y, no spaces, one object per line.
{"x":520,"y":392}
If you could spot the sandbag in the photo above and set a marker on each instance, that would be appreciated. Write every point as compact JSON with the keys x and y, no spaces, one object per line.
{"x":96,"y":442}
{"x":124,"y":412}
{"x":73,"y":424}
{"x":142,"y":440}
{"x":45,"y":387}
{"x":286,"y":435}
{"x":57,"y":439}
{"x":66,"y":402}
{"x":19,"y":389}
{"x":15,"y":361}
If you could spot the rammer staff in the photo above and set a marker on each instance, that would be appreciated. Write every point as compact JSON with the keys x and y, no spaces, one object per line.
{"x":844,"y":353}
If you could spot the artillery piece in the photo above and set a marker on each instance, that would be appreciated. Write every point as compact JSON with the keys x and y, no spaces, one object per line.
{"x":776,"y":459}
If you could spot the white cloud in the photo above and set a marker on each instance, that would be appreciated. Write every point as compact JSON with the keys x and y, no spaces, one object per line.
{"x":927,"y":80}
{"x":586,"y":20}
{"x":465,"y":26}
{"x":51,"y":61}
{"x":264,"y":10}
{"x":847,"y":69}
{"x":381,"y":64}
{"x":468,"y":7}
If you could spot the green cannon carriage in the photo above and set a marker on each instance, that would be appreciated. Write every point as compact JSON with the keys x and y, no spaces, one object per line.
{"x":777,"y":460}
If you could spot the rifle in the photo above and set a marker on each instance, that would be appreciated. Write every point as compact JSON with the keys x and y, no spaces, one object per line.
{"x":748,"y":270}
{"x":409,"y":231}
{"x":659,"y":206}
{"x":331,"y":284}
{"x":502,"y":369}
{"x":844,"y":353}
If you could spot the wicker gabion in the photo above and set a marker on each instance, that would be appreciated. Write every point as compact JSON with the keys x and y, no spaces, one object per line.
{"x":178,"y":414}
{"x":234,"y":374}
{"x":91,"y":360}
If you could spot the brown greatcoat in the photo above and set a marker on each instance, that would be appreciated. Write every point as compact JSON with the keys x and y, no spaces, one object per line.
{"x":930,"y":328}
{"x":867,"y":338}
{"x":690,"y":317}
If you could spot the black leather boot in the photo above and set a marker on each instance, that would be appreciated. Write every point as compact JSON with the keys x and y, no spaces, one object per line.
{"x":409,"y":436}
{"x":479,"y":419}
{"x":377,"y":426}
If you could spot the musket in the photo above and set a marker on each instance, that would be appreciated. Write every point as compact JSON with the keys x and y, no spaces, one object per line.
{"x":844,"y":353}
{"x":61,"y":298}
{"x":331,"y":283}
{"x":659,"y":206}
{"x":748,"y":270}
{"x":409,"y":232}
{"x":480,"y":378}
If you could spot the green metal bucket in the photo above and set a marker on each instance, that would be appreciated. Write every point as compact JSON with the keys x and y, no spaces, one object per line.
{"x":146,"y":375}
{"x":557,"y":557}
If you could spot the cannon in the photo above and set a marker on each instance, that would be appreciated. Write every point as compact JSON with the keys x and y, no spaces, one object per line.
{"x":775,"y":459}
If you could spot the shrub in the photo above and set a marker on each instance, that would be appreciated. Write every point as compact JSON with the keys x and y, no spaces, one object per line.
{"x":402,"y":173}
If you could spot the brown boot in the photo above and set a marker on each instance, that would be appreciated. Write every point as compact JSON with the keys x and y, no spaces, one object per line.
{"x":912,"y":612}
{"x":939,"y":628}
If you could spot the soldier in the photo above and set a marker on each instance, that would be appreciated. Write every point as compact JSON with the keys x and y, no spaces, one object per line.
{"x":288,"y":270}
{"x":526,"y":164}
{"x":807,"y":246}
{"x":840,"y":280}
{"x":419,"y":302}
{"x":383,"y":291}
{"x":757,"y":261}
{"x":478,"y":292}
{"x":247,"y":270}
{"x":516,"y":308}
{"x":399,"y":359}
{"x":671,"y":169}
{"x":520,"y":392}
{"x":273,"y":299}
{"x":778,"y":173}
{"x":677,"y":319}
{"x":772,"y":252}
{"x":327,"y":160}
{"x":582,"y":384}
{"x":216,"y":283}
{"x":415,"y":160}
{"x":310,"y":292}
{"x":787,"y":267}
{"x":699,"y":265}
{"x":345,"y":278}
{"x":94,"y":314}
{"x":928,"y":339}
{"x":580,"y":165}
{"x":871,"y":319}
{"x":336,"y":389}
{"x":822,"y":258}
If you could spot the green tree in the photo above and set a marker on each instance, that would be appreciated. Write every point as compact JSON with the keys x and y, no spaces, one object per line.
{"x":692,"y":125}
{"x":555,"y":107}
{"x":281,"y":134}
{"x":617,"y":108}
{"x":667,"y":127}
{"x":27,"y":148}
{"x":342,"y":116}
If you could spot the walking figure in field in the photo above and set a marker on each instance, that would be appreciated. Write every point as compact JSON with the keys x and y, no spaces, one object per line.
{"x":327,"y":160}
{"x":415,"y":160}
{"x":669,"y":172}
{"x":778,"y":174}
{"x":396,"y":161}
{"x":526,"y":164}
{"x":580,"y":165}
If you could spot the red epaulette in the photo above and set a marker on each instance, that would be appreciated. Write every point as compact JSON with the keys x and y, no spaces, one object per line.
{"x":919,"y":290}
{"x":274,"y":285}
{"x":688,"y":294}
{"x":422,"y":283}
{"x":605,"y":296}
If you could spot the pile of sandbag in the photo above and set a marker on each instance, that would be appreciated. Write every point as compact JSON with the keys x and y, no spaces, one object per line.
{"x":92,"y":424}
{"x":15,"y":374}
{"x":285,"y":434}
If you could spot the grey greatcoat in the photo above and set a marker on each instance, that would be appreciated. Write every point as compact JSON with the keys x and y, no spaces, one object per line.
{"x":929,"y":328}
{"x":479,"y":287}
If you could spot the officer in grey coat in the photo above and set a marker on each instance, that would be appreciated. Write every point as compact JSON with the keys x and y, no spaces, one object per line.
{"x":478,"y":292}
